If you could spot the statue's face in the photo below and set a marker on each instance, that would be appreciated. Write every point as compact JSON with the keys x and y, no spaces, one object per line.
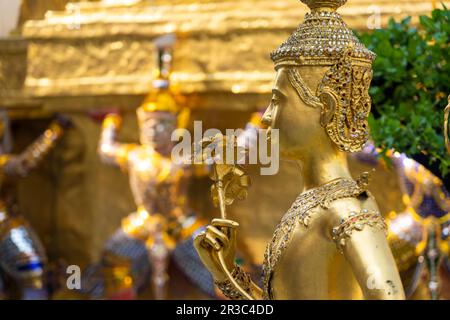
{"x":299,"y":124}
{"x":156,"y":128}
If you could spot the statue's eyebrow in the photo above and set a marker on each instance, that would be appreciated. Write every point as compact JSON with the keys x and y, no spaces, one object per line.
{"x":278,"y":93}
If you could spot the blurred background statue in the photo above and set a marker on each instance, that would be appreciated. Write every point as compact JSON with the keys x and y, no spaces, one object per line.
{"x":418,"y":233}
{"x":22,"y":256}
{"x":163,"y":223}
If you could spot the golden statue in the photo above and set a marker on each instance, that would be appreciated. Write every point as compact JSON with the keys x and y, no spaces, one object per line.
{"x":22,"y":256}
{"x":159,"y":186}
{"x":331,"y":244}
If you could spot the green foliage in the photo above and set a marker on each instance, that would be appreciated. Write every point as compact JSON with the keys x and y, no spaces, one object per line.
{"x":410,"y":86}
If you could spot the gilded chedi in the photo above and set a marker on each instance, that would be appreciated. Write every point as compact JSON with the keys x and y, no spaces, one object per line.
{"x":121,"y":38}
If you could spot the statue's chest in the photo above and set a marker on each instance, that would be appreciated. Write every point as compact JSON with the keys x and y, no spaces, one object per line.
{"x":303,"y":210}
{"x":153,"y":176}
{"x":300,"y":213}
{"x":150,"y":168}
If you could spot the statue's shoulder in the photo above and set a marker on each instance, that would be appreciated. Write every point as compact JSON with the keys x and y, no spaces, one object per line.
{"x":342,"y":209}
{"x":130,"y":148}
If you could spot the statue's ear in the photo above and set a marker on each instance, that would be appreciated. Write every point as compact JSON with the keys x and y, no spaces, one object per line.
{"x":329,"y":101}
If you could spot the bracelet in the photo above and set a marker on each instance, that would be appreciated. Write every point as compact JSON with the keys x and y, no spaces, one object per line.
{"x":242,"y":278}
{"x":357,"y":221}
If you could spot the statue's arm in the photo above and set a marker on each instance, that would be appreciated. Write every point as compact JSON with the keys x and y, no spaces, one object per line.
{"x":22,"y":164}
{"x":361,"y":238}
{"x":110,"y":150}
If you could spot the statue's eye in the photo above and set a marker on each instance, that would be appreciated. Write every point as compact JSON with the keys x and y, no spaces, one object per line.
{"x":275,"y":100}
{"x":160,"y":127}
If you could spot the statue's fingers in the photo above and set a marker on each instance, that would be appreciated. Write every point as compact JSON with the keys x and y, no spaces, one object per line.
{"x":212,"y":241}
{"x":217,"y":234}
{"x":226,"y":226}
{"x":198,"y":240}
{"x":204,"y":240}
{"x":224,"y":223}
{"x":232,"y":235}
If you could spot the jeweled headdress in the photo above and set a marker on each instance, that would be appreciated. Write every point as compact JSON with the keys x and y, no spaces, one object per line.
{"x":159,"y":98}
{"x":321,"y":38}
{"x":324,"y":39}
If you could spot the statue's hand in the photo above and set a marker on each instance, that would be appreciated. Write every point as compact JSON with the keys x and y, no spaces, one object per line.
{"x":220,"y":235}
{"x":98,"y":115}
{"x":63,"y":120}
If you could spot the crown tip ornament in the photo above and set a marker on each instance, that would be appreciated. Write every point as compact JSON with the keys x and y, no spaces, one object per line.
{"x":321,"y":39}
{"x":324,"y":4}
{"x":160,"y":97}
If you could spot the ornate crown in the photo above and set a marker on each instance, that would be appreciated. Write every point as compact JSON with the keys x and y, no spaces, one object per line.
{"x":162,"y":101}
{"x":160,"y":97}
{"x":321,"y":38}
